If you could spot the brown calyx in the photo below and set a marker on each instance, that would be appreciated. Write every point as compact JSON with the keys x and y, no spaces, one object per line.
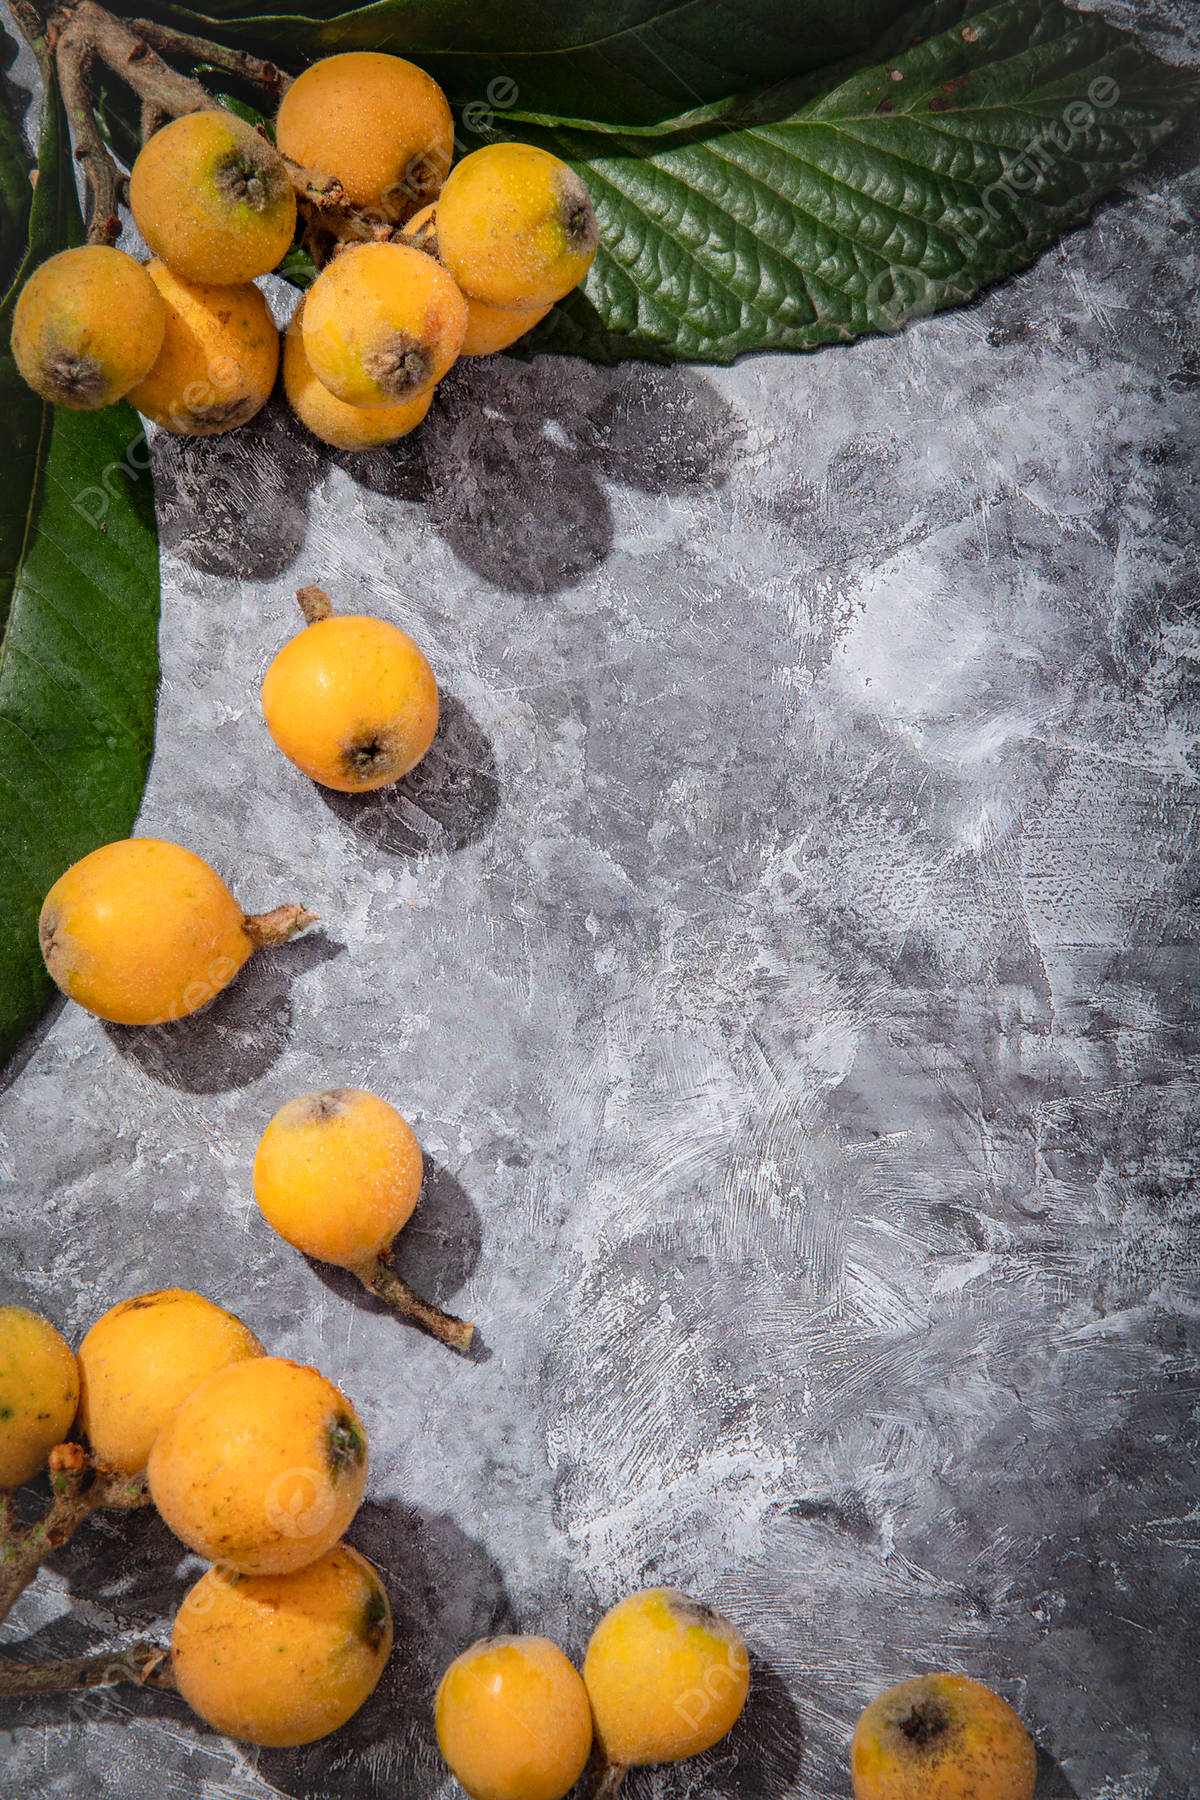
{"x":577,"y":213}
{"x":223,"y":415}
{"x":422,"y":236}
{"x":345,"y":1445}
{"x":373,"y":1628}
{"x":924,"y":1723}
{"x":252,"y":174}
{"x":331,"y":1103}
{"x":693,"y":1612}
{"x":75,"y":379}
{"x":367,"y":756}
{"x":402,"y":366}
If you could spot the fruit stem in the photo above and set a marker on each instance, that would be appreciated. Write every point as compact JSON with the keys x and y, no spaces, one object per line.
{"x":314,"y":603}
{"x":144,"y":1663}
{"x":608,"y":1781}
{"x":88,"y":30}
{"x":131,"y":58}
{"x":391,"y":1287}
{"x":75,"y":57}
{"x":251,"y":69}
{"x":277,"y":926}
{"x":79,"y":1487}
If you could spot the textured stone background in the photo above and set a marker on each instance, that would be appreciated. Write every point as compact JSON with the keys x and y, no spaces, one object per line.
{"x":787,"y":958}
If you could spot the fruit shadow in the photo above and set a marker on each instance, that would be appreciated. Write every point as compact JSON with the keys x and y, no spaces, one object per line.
{"x":1052,"y":1782}
{"x":510,"y":465}
{"x":763,"y":1754}
{"x":517,"y":455}
{"x":447,"y":802}
{"x":437,"y":1253}
{"x":238,"y":1036}
{"x":445,"y":1591}
{"x":124,"y":1574}
{"x":236,"y":505}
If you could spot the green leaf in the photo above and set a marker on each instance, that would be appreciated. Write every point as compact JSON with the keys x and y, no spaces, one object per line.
{"x":78,"y":614}
{"x":822,"y":210}
{"x":630,"y":60}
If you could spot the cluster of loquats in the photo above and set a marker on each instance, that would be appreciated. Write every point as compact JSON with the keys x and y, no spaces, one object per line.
{"x":418,"y":262}
{"x":255,"y":1462}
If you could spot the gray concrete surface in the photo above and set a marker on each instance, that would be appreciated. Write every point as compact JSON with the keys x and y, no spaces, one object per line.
{"x":787,"y":957}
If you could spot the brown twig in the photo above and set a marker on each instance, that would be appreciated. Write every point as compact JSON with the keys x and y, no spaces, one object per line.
{"x":314,"y":603}
{"x":34,"y":30}
{"x":391,"y":1287}
{"x":79,"y":1487}
{"x":145,"y":1664}
{"x":74,"y":56}
{"x":321,"y":191}
{"x":240,"y":63}
{"x":278,"y":926}
{"x":131,"y":58}
{"x":152,"y":119}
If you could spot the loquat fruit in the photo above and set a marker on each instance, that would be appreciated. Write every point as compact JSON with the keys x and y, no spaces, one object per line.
{"x":39,"y":1391}
{"x":213,"y":198}
{"x":515,"y":226}
{"x":219,"y":356}
{"x":283,"y":1659}
{"x":142,"y":931}
{"x":941,"y":1737}
{"x":261,"y":1467}
{"x":513,"y":1720}
{"x":87,"y":326}
{"x":382,"y":323}
{"x":378,"y":124}
{"x":667,"y":1677}
{"x":350,"y":700}
{"x":330,"y":419}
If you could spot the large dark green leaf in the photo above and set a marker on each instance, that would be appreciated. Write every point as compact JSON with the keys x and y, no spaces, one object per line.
{"x":78,"y":613}
{"x":822,"y":210}
{"x":631,"y":60}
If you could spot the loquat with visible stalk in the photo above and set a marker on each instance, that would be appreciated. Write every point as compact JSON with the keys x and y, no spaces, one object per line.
{"x":338,"y":1174}
{"x":142,"y":931}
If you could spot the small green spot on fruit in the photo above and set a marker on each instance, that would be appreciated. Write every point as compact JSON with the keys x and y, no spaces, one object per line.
{"x":347,"y":1445}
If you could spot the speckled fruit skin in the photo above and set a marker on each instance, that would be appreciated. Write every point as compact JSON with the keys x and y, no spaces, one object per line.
{"x":941,"y":1737}
{"x":219,"y":356}
{"x":489,"y":328}
{"x":213,"y":199}
{"x":330,"y":419}
{"x":142,"y":1359}
{"x":283,"y":1659}
{"x":338,"y":1174}
{"x":513,"y":1720}
{"x":666,"y":1677}
{"x":515,"y":227}
{"x":262,"y":1466}
{"x":379,"y":124}
{"x":141,"y":931}
{"x":87,"y":326}
{"x":492,"y":328}
{"x":39,"y":1390}
{"x":382,"y":322}
{"x":352,"y":702}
